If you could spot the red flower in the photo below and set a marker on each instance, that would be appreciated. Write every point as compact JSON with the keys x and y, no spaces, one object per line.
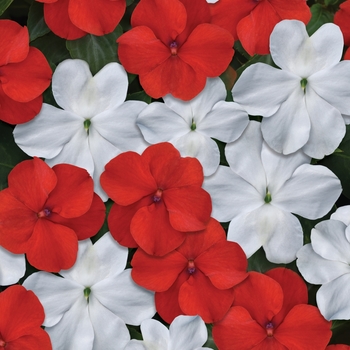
{"x":20,"y":321}
{"x":195,"y":279}
{"x":158,"y":198}
{"x":24,"y":75}
{"x":252,"y":21}
{"x":45,"y":211}
{"x":174,"y":48}
{"x":338,"y":347}
{"x":72,"y":19}
{"x":342,"y":19}
{"x":271,"y":312}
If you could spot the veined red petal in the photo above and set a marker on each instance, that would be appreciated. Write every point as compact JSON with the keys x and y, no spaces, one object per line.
{"x":26,"y":80}
{"x":14,"y":42}
{"x":293,"y":9}
{"x":127,"y":179}
{"x":157,"y":273}
{"x":36,"y":339}
{"x":342,"y":19}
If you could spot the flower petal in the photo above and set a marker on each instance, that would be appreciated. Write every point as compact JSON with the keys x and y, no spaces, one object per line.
{"x":154,"y":331}
{"x":12,"y":267}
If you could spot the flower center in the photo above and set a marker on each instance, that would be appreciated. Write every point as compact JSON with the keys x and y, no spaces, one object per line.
{"x":2,"y":342}
{"x":87,"y":123}
{"x":267,"y":198}
{"x":44,"y":213}
{"x":193,"y":125}
{"x":191,"y":268}
{"x":303,"y":83}
{"x":173,"y":48}
{"x":158,"y":195}
{"x":269,"y":329}
{"x":87,"y":292}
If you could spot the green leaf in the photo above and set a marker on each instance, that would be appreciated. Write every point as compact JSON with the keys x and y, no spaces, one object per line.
{"x":10,"y":153}
{"x":139,"y":96}
{"x":97,"y":51}
{"x":320,"y":16}
{"x":4,"y":4}
{"x":36,"y":23}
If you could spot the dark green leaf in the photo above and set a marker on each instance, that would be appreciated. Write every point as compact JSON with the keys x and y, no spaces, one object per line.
{"x":135,"y":333}
{"x":97,"y":51}
{"x":36,"y":23}
{"x":4,"y":4}
{"x":210,"y":342}
{"x":320,"y":16}
{"x":139,"y":96}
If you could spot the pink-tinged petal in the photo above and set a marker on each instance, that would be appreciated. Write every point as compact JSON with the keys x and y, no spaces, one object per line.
{"x":52,"y":247}
{"x":96,"y":17}
{"x":73,"y":194}
{"x":14,"y":42}
{"x":157,"y":273}
{"x":127,"y":179}
{"x":28,"y":79}
{"x":189,"y":208}
{"x":31,"y":182}
{"x":208,"y":49}
{"x":304,"y":328}
{"x":167,"y":19}
{"x":152,"y":231}
{"x":57,"y":19}
{"x":224,"y":263}
{"x":238,"y":330}
{"x":198,"y":296}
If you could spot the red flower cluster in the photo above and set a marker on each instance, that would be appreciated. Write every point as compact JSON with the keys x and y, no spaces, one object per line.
{"x":271,"y":312}
{"x":252,"y":21}
{"x":24,"y":75}
{"x":20,"y":321}
{"x":342,"y":19}
{"x":158,"y":198}
{"x":174,"y":48}
{"x":72,"y":19}
{"x":44,"y":212}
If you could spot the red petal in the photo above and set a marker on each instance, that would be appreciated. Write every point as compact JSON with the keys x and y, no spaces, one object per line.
{"x":127,"y":179}
{"x":31,"y":182}
{"x":57,"y":19}
{"x":37,"y":339}
{"x":238,"y":330}
{"x":347,"y":54}
{"x":342,"y":19}
{"x":166,"y":19}
{"x":14,"y":112}
{"x":88,"y":224}
{"x":52,"y":247}
{"x":28,"y":79}
{"x":157,"y":273}
{"x":304,"y":328}
{"x":208,"y":49}
{"x":14,"y":42}
{"x":72,"y":196}
{"x":292,"y":9}
{"x":151,"y":229}
{"x":140,"y":51}
{"x":198,"y":296}
{"x":189,"y":208}
{"x":338,"y":347}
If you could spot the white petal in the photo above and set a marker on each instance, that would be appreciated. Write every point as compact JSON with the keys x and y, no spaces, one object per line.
{"x":333,"y":299}
{"x":155,"y":335}
{"x":342,"y":214}
{"x":136,"y":345}
{"x":261,"y":89}
{"x":46,"y":134}
{"x":56,"y":294}
{"x":12,"y":267}
{"x":327,"y":126}
{"x":317,"y":270}
{"x":346,"y":119}
{"x":288,"y":129}
{"x":310,"y":192}
{"x":110,"y":331}
{"x":187,"y":333}
{"x":121,"y":295}
{"x":230,"y":194}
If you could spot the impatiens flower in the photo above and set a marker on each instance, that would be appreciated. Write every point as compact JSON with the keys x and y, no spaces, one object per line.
{"x":189,"y":125}
{"x":95,"y":124}
{"x":271,"y":312}
{"x":88,"y":308}
{"x":252,"y":22}
{"x":260,"y":190}
{"x":158,"y":198}
{"x":12,"y":267}
{"x":21,"y":318}
{"x":72,"y":19}
{"x":338,"y":347}
{"x":45,"y":211}
{"x":24,"y":74}
{"x":195,"y":279}
{"x":184,"y":333}
{"x":302,"y":103}
{"x":174,"y":48}
{"x":342,"y":19}
{"x":326,"y":261}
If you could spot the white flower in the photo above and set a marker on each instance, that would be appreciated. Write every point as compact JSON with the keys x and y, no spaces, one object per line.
{"x":326,"y":261}
{"x":12,"y":267}
{"x":88,"y":308}
{"x":260,"y":190}
{"x":184,"y":333}
{"x":302,"y":103}
{"x":190,"y":125}
{"x":95,"y":124}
